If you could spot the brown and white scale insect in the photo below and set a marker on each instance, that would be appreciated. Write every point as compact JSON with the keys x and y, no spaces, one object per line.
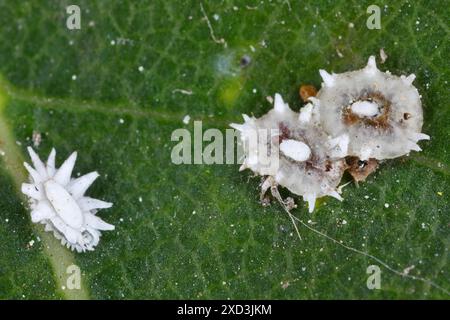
{"x":355,"y":120}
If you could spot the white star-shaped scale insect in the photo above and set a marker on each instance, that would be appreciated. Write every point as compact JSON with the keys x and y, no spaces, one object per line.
{"x":58,"y":202}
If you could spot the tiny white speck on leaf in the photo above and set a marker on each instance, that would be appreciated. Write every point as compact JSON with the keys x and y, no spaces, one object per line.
{"x":186,"y":119}
{"x":74,"y":77}
{"x":141,"y":69}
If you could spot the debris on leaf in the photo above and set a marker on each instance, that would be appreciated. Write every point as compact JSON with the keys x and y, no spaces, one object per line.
{"x":361,"y":169}
{"x":383,"y":55}
{"x":307,"y":91}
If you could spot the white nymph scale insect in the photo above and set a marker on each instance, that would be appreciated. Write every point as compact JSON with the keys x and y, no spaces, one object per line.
{"x":58,"y":202}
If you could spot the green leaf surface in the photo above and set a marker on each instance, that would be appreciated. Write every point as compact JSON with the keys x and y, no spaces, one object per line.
{"x":199,"y":231}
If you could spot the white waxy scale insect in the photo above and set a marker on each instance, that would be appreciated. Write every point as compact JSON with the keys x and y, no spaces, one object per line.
{"x":305,"y":164}
{"x":59,"y":202}
{"x":380,"y":113}
{"x":366,"y":113}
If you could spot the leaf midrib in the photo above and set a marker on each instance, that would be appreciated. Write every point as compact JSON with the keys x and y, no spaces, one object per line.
{"x":59,"y":256}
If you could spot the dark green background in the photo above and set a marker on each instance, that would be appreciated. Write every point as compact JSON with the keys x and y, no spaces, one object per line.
{"x":200,"y":231}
